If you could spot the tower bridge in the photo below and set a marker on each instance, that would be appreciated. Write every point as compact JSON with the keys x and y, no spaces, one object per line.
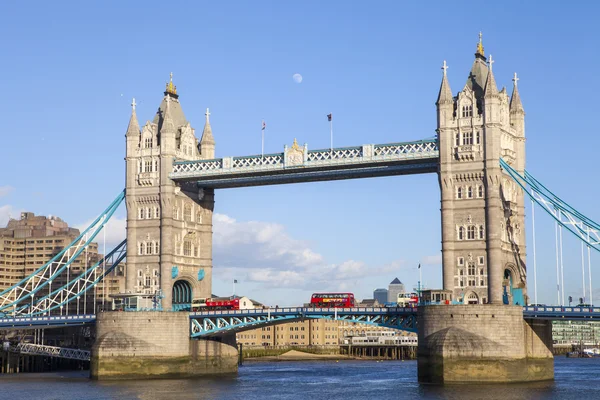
{"x":171,"y":177}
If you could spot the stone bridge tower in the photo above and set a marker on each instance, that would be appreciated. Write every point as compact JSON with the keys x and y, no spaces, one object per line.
{"x":169,"y":226}
{"x":483,"y":213}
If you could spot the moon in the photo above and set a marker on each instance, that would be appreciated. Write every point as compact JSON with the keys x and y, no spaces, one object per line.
{"x":297,"y":78}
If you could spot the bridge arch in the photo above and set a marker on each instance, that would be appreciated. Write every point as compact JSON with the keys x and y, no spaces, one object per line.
{"x":512,"y":290}
{"x":182,"y":295}
{"x":471,"y":298}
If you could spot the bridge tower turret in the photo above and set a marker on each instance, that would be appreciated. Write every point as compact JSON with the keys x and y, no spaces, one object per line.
{"x":169,"y":225}
{"x":483,"y":239}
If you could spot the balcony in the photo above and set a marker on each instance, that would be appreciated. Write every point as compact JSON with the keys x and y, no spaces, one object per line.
{"x":467,"y":152}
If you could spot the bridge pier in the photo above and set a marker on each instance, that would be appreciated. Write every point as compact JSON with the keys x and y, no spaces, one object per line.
{"x":482,"y":343}
{"x":138,"y":345}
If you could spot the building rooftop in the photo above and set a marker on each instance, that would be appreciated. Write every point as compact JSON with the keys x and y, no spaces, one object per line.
{"x":396,"y":281}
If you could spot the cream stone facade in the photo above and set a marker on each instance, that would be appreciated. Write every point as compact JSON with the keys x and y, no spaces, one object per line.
{"x":483,"y":213}
{"x":169,"y":226}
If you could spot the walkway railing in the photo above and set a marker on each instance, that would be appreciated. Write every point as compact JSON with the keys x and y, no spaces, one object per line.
{"x":301,"y":157}
{"x":51,"y":351}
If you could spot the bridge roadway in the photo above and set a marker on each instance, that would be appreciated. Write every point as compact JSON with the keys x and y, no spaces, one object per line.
{"x":214,"y":323}
{"x":298,"y":164}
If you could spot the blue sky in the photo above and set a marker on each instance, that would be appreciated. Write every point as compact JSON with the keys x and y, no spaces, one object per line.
{"x":70,"y":70}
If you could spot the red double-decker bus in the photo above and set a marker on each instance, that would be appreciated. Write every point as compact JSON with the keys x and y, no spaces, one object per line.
{"x":332,"y":300}
{"x":223,"y":303}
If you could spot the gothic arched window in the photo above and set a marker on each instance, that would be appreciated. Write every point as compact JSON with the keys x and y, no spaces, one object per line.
{"x":156,"y":248}
{"x":187,"y":248}
{"x":148,"y":142}
{"x":480,"y":191}
{"x":461,"y":233}
{"x":481,"y":232}
{"x":149,"y":248}
{"x":141,"y":249}
{"x":187,"y":212}
{"x":198,"y":217}
{"x":471,"y":232}
{"x":459,"y":192}
{"x":470,"y":192}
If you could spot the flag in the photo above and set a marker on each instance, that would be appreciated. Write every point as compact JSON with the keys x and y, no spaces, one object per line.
{"x":419,"y":266}
{"x":329,"y":117}
{"x":264,"y":125}
{"x":235,"y":281}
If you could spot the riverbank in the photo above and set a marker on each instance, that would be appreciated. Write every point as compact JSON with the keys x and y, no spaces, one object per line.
{"x":295,"y":355}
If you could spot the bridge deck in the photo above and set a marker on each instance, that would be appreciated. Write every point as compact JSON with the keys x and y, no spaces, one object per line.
{"x":365,"y":161}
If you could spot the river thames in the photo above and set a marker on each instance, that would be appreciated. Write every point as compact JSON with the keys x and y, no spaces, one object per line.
{"x":575,"y":379}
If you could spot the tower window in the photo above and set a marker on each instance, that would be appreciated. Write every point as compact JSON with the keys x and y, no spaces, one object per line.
{"x":198,"y":217}
{"x":477,"y":138}
{"x":461,"y":233}
{"x":156,"y":249}
{"x":470,"y":192}
{"x":480,"y":261}
{"x":156,"y":213}
{"x":457,"y":140}
{"x":142,"y":213}
{"x":155,"y":165}
{"x":480,"y":191}
{"x":467,"y":111}
{"x":459,"y":193}
{"x":471,"y":232}
{"x":141,"y":249}
{"x":148,"y":142}
{"x":187,"y":248}
{"x":481,"y":232}
{"x":461,"y":261}
{"x":187,"y":213}
{"x":148,"y":166}
{"x":467,"y":138}
{"x":148,"y":248}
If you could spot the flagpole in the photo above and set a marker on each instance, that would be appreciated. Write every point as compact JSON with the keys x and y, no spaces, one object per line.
{"x":331,"y":131}
{"x":262,"y":151}
{"x":234,"y":287}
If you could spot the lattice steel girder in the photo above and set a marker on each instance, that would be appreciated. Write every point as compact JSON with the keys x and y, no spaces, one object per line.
{"x":338,"y":163}
{"x":214,"y":323}
{"x":47,"y":322}
{"x":52,"y":351}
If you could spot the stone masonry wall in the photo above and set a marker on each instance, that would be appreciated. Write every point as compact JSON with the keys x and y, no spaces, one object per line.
{"x":155,"y":344}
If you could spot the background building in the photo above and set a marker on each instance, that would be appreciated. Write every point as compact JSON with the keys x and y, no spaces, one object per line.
{"x":310,"y":332}
{"x":380,"y":295}
{"x":394,"y":288}
{"x":30,"y":242}
{"x":576,"y":332}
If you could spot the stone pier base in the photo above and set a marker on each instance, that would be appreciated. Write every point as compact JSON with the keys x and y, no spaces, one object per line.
{"x":139,"y":345}
{"x":482,"y":343}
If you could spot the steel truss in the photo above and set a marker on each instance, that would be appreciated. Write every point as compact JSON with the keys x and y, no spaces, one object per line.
{"x":565,"y":215}
{"x":77,"y":287}
{"x":22,"y":295}
{"x":323,"y":160}
{"x":215,"y":323}
{"x":51,"y":351}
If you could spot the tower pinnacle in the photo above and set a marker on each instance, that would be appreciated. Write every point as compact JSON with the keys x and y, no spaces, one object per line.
{"x":515,"y":100}
{"x":445,"y":95}
{"x":171,"y":89}
{"x":480,"y":46}
{"x":207,"y":115}
{"x":134,"y":127}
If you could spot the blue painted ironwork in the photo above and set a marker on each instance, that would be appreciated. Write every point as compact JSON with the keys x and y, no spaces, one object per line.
{"x":214,"y":323}
{"x":55,"y":321}
{"x":201,"y":274}
{"x":562,"y":313}
{"x":182,"y":296}
{"x":584,"y":228}
{"x":314,"y":165}
{"x":24,"y":291}
{"x":174,"y":272}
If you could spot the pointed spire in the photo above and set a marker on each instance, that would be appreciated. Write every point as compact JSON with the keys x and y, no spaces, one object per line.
{"x":445,"y":95}
{"x":491,"y":88}
{"x":207,"y":136}
{"x":134,"y":127}
{"x":515,"y":100}
{"x":167,"y":125}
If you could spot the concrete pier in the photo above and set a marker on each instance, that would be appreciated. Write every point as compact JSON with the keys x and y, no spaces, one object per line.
{"x":482,"y":343}
{"x":134,"y":345}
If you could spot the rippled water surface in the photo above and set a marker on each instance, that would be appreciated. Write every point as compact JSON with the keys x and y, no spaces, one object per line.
{"x":575,"y":379}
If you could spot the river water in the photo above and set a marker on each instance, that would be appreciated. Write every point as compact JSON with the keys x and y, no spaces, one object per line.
{"x":575,"y":379}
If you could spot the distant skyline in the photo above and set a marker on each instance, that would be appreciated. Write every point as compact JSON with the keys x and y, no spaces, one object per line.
{"x":71,"y":70}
